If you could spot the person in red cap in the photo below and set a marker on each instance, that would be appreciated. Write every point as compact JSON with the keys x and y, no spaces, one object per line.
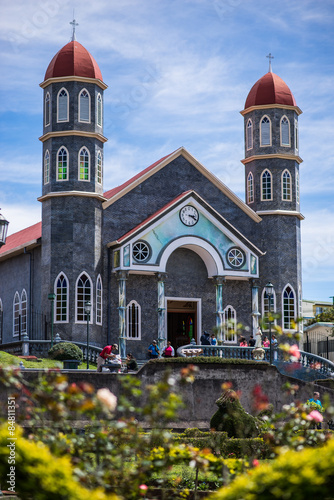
{"x":107,"y":352}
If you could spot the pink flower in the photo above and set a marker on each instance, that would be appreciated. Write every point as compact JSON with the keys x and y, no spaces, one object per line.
{"x":294,"y":351}
{"x":255,"y":462}
{"x":315,"y":415}
{"x":143,"y":488}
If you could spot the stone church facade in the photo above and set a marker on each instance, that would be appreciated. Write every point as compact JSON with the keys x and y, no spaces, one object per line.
{"x":170,"y":252}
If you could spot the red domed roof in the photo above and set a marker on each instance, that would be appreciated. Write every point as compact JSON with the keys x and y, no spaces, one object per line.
{"x":73,"y":60}
{"x":270,"y":89}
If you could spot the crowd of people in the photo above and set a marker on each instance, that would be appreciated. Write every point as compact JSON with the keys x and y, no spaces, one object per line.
{"x":258,"y":341}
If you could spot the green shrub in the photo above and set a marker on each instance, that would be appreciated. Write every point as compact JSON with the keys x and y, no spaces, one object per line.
{"x":65,"y":350}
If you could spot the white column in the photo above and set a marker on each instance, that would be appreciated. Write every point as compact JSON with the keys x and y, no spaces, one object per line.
{"x":219,"y":281}
{"x":162,"y":334}
{"x":122,"y":277}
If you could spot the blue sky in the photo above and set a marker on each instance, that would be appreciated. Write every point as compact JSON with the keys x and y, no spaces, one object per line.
{"x":178,"y":73}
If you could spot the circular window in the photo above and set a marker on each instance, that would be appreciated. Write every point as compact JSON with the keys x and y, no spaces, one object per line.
{"x":236,"y":257}
{"x":141,"y":251}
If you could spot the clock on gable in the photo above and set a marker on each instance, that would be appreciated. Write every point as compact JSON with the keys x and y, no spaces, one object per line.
{"x":189,"y":215}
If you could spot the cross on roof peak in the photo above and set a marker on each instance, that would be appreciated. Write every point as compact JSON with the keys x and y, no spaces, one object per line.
{"x":74,"y":24}
{"x":270,"y":57}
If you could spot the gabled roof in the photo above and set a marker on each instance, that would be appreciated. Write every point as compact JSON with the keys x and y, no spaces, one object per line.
{"x":115,"y":194}
{"x":22,"y":239}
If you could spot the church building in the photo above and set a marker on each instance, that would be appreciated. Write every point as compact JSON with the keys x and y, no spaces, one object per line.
{"x":169,"y":253}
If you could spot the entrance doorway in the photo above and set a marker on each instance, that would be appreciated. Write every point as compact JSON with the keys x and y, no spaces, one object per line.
{"x":183,"y":320}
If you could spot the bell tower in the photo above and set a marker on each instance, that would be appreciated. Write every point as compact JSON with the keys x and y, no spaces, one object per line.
{"x":72,"y":192}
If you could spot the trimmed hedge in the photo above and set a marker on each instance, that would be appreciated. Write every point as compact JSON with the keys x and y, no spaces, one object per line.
{"x":198,"y":360}
{"x":65,"y":350}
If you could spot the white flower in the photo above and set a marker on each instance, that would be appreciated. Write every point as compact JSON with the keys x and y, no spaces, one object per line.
{"x":107,"y":398}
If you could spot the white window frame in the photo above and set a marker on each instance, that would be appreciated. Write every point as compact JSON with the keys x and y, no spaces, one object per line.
{"x":265,"y":308}
{"x":227,"y":327}
{"x":283,"y":144}
{"x":294,"y":308}
{"x":61,"y":299}
{"x":16,"y":313}
{"x":79,"y":106}
{"x":99,"y":109}
{"x":90,"y":299}
{"x":46,"y":167}
{"x":24,"y":311}
{"x":138,"y":329}
{"x":297,"y":187}
{"x":296,"y":135}
{"x":271,"y":185}
{"x":67,"y":106}
{"x":79,"y":154}
{"x":286,"y":177}
{"x":99,"y":300}
{"x":99,"y":167}
{"x":47,"y":112}
{"x":261,"y":138}
{"x":67,"y":168}
{"x":250,"y":188}
{"x":249,"y":135}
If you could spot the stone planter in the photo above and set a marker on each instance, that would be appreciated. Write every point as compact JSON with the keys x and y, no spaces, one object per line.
{"x":71,"y":364}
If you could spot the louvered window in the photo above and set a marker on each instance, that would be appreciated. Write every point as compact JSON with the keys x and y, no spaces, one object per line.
{"x":249,"y":135}
{"x":47,"y":109}
{"x":47,"y":167}
{"x":285,"y":132}
{"x":84,"y":106}
{"x":250,"y":188}
{"x":99,"y":168}
{"x":265,"y":131}
{"x":63,"y":106}
{"x":99,"y":110}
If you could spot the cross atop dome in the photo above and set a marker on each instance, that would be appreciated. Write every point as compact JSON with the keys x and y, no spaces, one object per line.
{"x":74,"y":24}
{"x":270,"y":57}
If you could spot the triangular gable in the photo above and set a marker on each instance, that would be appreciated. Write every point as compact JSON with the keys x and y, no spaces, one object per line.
{"x":115,"y":194}
{"x":22,"y":239}
{"x":211,"y":236}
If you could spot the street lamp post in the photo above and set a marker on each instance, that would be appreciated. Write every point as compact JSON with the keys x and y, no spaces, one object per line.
{"x":3,"y":230}
{"x":269,"y":288}
{"x":52,"y":297}
{"x":88,"y":307}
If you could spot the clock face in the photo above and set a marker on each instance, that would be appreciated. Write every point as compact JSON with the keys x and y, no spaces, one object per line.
{"x":189,"y":215}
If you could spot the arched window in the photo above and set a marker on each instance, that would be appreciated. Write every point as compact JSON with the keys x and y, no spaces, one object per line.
{"x":99,"y":110}
{"x":289,"y":308}
{"x":61,"y":302}
{"x":62,"y":106}
{"x":47,"y":109}
{"x":265,"y":308}
{"x":286,"y":186}
{"x":285,"y":131}
{"x":84,"y":106}
{"x":297,"y":186}
{"x":266,"y":181}
{"x":265,"y":132}
{"x":250,"y":188}
{"x":16,"y":314}
{"x":84,"y":170}
{"x":47,"y":167}
{"x":133,"y":321}
{"x":1,"y":321}
{"x":83,"y":294}
{"x":99,"y":168}
{"x":230,"y":325}
{"x":249,"y":135}
{"x":23,"y":312}
{"x":62,"y":164}
{"x":296,"y":135}
{"x":99,"y":300}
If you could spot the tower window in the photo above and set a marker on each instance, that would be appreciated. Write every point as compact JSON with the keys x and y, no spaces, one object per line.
{"x":99,"y":168}
{"x":99,"y":110}
{"x":230,"y":324}
{"x":47,"y":167}
{"x":133,"y":317}
{"x":265,"y":308}
{"x":266,"y":191}
{"x":288,"y":308}
{"x":250,"y":188}
{"x":249,"y":135}
{"x":47,"y":109}
{"x":61,"y":303}
{"x":62,"y":164}
{"x":84,"y":106}
{"x":99,"y":301}
{"x":265,"y":132}
{"x":297,"y":186}
{"x":84,"y":165}
{"x":286,"y":186}
{"x":83,"y":294}
{"x":62,"y":106}
{"x":296,"y":135}
{"x":285,"y":131}
{"x":23,"y":312}
{"x":16,"y":315}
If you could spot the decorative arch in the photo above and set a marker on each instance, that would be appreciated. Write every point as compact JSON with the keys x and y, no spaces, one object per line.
{"x":286,"y":186}
{"x":62,"y":105}
{"x":266,"y":185}
{"x":288,"y":307}
{"x":250,"y":188}
{"x":84,"y":164}
{"x":265,"y":131}
{"x":47,"y":109}
{"x":61,"y":304}
{"x":205,"y":250}
{"x":285,"y":131}
{"x":84,"y":106}
{"x":99,"y":110}
{"x":133,"y":321}
{"x":249,"y":135}
{"x":47,"y":167}
{"x":62,"y":164}
{"x":83,"y":293}
{"x":230,"y":325}
{"x":99,"y":300}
